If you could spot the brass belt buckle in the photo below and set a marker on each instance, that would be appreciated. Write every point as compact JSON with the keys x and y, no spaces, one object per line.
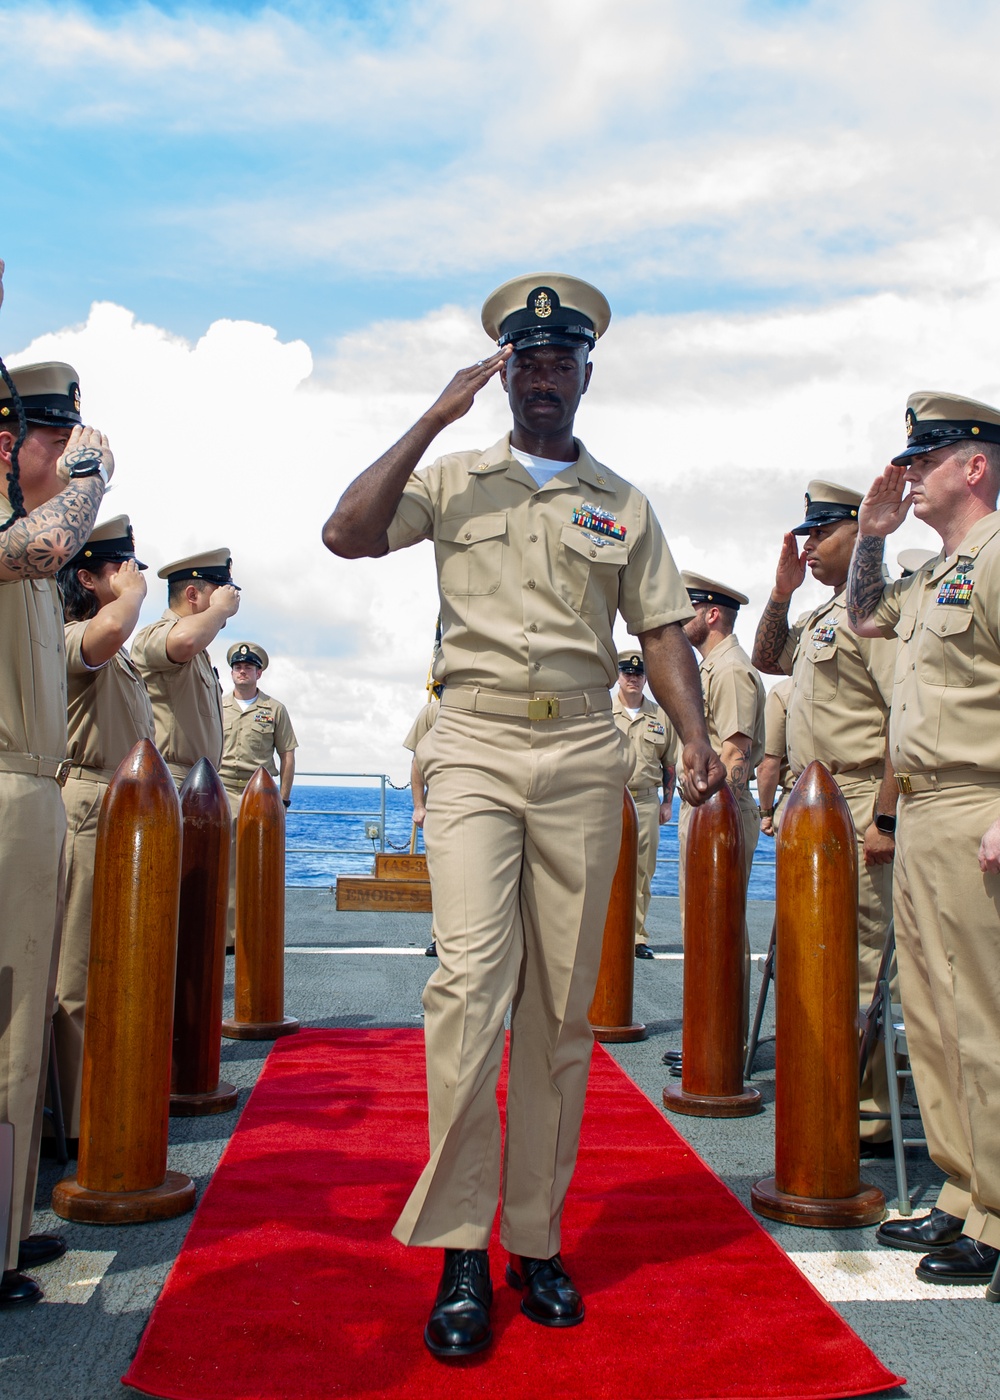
{"x":62,"y":772}
{"x":543,"y":709}
{"x":904,"y":784}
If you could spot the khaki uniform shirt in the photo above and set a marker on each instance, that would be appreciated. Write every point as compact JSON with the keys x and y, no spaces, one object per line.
{"x":187,"y":698}
{"x":529,"y":585}
{"x":109,"y":709}
{"x":841,"y":691}
{"x":734,"y":698}
{"x":945,"y":710}
{"x":252,"y":737}
{"x":33,"y":669}
{"x":422,"y":724}
{"x":775,"y":720}
{"x":651,"y":741}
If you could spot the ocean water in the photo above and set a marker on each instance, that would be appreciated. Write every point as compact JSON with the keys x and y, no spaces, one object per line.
{"x":325,"y":836}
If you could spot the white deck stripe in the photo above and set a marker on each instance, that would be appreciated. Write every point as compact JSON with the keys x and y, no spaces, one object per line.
{"x":875,"y":1276}
{"x":75,"y":1277}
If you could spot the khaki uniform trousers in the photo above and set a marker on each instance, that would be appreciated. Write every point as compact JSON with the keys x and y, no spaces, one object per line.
{"x":647,"y":806}
{"x":33,"y":823}
{"x":523,"y":833}
{"x":750,"y":817}
{"x":235,"y":798}
{"x":874,"y":912}
{"x":82,"y":799}
{"x":948,"y":950}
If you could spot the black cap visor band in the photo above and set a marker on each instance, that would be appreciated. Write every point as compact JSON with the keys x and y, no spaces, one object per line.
{"x":946,"y":434}
{"x":720,"y":600}
{"x":822,"y":513}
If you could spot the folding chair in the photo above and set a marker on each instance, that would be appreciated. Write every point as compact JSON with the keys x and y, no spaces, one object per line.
{"x":766,"y":965}
{"x":53,"y":1110}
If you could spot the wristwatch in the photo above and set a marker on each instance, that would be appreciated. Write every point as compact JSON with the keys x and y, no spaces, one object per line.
{"x":766,"y":811}
{"x":885,"y":824}
{"x":88,"y":469}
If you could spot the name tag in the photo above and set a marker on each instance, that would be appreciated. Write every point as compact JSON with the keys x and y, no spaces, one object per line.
{"x":956,"y":592}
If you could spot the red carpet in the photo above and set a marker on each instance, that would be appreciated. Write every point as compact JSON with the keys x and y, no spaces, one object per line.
{"x":290,"y":1287}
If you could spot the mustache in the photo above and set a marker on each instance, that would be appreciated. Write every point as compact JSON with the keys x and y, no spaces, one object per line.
{"x":543,"y":396}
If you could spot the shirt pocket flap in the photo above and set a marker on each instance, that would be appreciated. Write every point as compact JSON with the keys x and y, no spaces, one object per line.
{"x":471,"y":531}
{"x":949,"y":622}
{"x":824,"y":652}
{"x":905,"y":626}
{"x":607,"y":552}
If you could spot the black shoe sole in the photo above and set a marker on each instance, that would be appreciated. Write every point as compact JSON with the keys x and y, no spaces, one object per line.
{"x":515,"y":1281}
{"x":913,"y":1248}
{"x":456,"y":1353}
{"x":959,"y":1281}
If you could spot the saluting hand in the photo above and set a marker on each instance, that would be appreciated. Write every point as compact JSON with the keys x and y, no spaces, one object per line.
{"x":128,"y":579}
{"x":883,"y":508}
{"x":85,"y":445}
{"x":791,"y":568}
{"x":225,"y":599}
{"x":703,"y":772}
{"x":460,"y":394}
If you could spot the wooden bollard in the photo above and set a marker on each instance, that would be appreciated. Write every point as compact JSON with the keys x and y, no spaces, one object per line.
{"x":260,"y":915}
{"x":611,"y":1008}
{"x":816,"y":1178}
{"x":122,"y":1175}
{"x":195,"y":1089}
{"x":714,"y":968}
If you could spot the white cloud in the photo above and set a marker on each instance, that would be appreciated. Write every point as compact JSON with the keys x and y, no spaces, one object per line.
{"x":722,"y":420}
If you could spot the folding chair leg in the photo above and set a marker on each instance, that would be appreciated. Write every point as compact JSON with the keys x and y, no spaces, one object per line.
{"x":993,"y":1292}
{"x":758,"y":1019}
{"x":55,"y":1101}
{"x":895,"y":1110}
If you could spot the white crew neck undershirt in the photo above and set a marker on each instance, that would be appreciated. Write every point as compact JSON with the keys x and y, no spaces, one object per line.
{"x":541,"y":469}
{"x":632,"y":712}
{"x":245,"y":704}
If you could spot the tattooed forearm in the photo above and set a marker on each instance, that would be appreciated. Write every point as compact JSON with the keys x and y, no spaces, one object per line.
{"x":44,"y":540}
{"x":772,"y":634}
{"x":738,"y":777}
{"x":865,"y":584}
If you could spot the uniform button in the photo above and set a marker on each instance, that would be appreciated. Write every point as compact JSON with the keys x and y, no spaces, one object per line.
{"x":593,"y":554}
{"x":904,"y":706}
{"x":531,"y":583}
{"x":468,"y":534}
{"x":533,"y":538}
{"x":538,"y":665}
{"x":533,"y":627}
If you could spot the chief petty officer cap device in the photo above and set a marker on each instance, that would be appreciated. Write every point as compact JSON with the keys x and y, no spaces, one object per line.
{"x":826,"y":503}
{"x":706,"y":590}
{"x":630,"y":663}
{"x":112,"y":542}
{"x":248,"y":652}
{"x":546,"y":308}
{"x":936,"y":420}
{"x":214,"y":566}
{"x":49,"y":394}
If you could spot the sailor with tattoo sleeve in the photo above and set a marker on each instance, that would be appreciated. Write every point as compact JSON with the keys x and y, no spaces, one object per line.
{"x":734,"y":713}
{"x":838,"y":713}
{"x":53,"y":472}
{"x":945,"y":744}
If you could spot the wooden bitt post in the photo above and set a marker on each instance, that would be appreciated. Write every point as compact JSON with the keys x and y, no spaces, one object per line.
{"x":714,"y":968}
{"x":195,"y":1089}
{"x":260,"y":915}
{"x":611,"y":1008}
{"x":122,"y":1175}
{"x":816,"y":1178}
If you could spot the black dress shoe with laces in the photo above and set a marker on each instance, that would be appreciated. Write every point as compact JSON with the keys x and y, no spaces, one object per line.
{"x":431,"y":951}
{"x":459,"y":1324}
{"x":550,"y":1298}
{"x":17,"y":1289}
{"x":965,"y":1261}
{"x":923,"y":1234}
{"x":39,"y":1249}
{"x":643,"y":950}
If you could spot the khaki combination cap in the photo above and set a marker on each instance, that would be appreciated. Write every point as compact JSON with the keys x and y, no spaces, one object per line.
{"x":631,"y":663}
{"x":709,"y":590}
{"x":934,"y":420}
{"x":49,"y":393}
{"x":546,"y":308}
{"x":213,"y":565}
{"x":828,"y":502}
{"x":249,"y":652}
{"x":111,"y":541}
{"x":910,"y":560}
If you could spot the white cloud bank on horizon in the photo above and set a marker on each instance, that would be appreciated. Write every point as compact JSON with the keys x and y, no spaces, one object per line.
{"x":722,"y":420}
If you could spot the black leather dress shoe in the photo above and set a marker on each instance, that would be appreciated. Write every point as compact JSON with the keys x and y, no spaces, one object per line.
{"x":551,"y":1298}
{"x":924,"y":1234}
{"x":39,"y":1249}
{"x":965,"y":1261}
{"x":643,"y":950}
{"x":459,"y":1324}
{"x":672,"y":1057}
{"x":17,"y":1289}
{"x":431,"y":951}
{"x":870,"y":1151}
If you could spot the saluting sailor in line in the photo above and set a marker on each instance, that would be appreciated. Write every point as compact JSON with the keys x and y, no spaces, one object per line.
{"x":538,"y":546}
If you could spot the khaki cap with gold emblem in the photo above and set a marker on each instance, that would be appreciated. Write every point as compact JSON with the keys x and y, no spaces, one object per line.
{"x":213,"y":565}
{"x":828,"y":502}
{"x":545,"y":308}
{"x":248,"y":652}
{"x":112,"y":541}
{"x":709,"y":590}
{"x":934,"y":419}
{"x":910,"y":560}
{"x":49,"y":393}
{"x":631,"y":663}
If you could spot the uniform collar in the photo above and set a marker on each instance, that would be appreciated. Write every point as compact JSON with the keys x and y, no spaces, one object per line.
{"x":980,"y":534}
{"x":838,"y":600}
{"x":618,"y":706}
{"x":586,"y":469}
{"x":717,"y":652}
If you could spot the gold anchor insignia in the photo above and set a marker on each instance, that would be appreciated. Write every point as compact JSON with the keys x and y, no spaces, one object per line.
{"x":76,"y":397}
{"x":542,"y":305}
{"x":911,"y":422}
